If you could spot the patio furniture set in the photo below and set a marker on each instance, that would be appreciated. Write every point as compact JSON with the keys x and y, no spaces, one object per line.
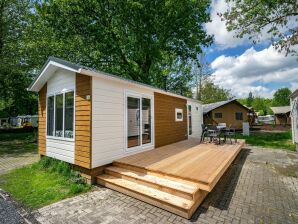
{"x":216,"y":132}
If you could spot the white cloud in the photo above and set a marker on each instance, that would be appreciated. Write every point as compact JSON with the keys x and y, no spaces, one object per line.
{"x":255,"y":71}
{"x":217,"y":27}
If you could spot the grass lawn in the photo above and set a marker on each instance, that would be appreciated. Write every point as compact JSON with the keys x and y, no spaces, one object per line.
{"x":16,"y":143}
{"x":277,"y":140}
{"x":43,"y":183}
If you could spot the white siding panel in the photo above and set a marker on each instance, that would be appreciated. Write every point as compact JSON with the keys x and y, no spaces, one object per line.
{"x":197,"y":118}
{"x":108,"y":120}
{"x":61,"y":81}
{"x":60,"y":149}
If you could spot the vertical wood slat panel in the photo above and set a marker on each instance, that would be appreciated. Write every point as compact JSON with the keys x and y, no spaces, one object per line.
{"x":83,"y":121}
{"x":42,"y":100}
{"x":167,"y":130}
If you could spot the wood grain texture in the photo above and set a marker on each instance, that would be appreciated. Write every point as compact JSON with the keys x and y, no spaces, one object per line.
{"x":42,"y":101}
{"x":83,"y":115}
{"x":188,"y":160}
{"x":167,"y":130}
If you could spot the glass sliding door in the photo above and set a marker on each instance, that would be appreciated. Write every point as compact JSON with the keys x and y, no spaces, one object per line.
{"x":146,"y":121}
{"x":133,"y":122}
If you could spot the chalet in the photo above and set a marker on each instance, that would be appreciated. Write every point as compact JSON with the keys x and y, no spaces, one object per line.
{"x":282,"y":115}
{"x":128,"y":136}
{"x":230,"y":112}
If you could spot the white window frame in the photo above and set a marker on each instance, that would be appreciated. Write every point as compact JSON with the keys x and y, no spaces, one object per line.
{"x":56,"y":137}
{"x":178,"y":110}
{"x":141,"y":146}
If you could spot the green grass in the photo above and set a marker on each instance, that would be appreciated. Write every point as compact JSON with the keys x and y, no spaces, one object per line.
{"x":43,"y":183}
{"x":277,"y":140}
{"x":17,"y":143}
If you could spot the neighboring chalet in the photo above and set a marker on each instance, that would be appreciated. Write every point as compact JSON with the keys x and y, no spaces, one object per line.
{"x":294,"y":117}
{"x":230,"y":112}
{"x":282,"y":115}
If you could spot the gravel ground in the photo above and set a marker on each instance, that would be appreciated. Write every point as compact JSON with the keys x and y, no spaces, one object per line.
{"x":12,"y":213}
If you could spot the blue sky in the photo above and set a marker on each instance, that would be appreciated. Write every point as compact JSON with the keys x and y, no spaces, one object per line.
{"x":239,"y":65}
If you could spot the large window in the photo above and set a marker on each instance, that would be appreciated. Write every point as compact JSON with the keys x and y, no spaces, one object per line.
{"x":60,"y":115}
{"x":239,"y":116}
{"x":50,"y":116}
{"x":68,"y":115}
{"x":218,"y":115}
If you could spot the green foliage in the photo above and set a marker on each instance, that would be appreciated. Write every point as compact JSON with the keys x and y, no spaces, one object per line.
{"x":277,"y":140}
{"x":281,"y":97}
{"x":36,"y":187}
{"x":61,"y":167}
{"x":17,"y":143}
{"x":262,"y":105}
{"x":276,"y":17}
{"x":211,"y":93}
{"x":147,"y":44}
{"x":14,"y":79}
{"x":249,"y":100}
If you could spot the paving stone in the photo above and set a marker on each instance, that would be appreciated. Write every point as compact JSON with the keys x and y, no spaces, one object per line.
{"x":251,"y":191}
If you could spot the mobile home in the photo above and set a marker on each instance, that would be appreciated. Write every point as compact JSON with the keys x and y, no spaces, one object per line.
{"x":90,"y":118}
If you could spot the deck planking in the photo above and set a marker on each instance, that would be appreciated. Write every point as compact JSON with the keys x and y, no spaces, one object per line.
{"x":188,"y":160}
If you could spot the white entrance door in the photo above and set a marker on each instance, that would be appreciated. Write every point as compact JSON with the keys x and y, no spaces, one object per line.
{"x":138,"y":121}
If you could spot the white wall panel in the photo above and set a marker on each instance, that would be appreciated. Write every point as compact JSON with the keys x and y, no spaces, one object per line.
{"x":108,"y":120}
{"x":61,"y":80}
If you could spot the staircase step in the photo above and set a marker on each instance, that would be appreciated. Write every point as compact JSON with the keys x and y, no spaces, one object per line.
{"x":173,"y":187}
{"x":170,"y":202}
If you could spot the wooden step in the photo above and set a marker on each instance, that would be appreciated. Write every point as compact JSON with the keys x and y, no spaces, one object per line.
{"x":164,"y":200}
{"x":202,"y":186}
{"x":173,"y":187}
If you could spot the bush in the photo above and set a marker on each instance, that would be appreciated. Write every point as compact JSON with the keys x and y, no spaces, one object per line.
{"x":61,"y":167}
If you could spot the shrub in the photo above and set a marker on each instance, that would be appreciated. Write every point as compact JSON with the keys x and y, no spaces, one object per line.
{"x":63,"y":168}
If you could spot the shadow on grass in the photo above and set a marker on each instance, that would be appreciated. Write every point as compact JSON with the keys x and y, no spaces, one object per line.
{"x":221,"y":195}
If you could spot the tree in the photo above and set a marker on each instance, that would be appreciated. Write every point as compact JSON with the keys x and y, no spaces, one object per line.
{"x":200,"y":70}
{"x":14,"y":98}
{"x":140,"y":46}
{"x":278,"y":18}
{"x":212,"y":93}
{"x":249,"y":99}
{"x":262,"y":105}
{"x":281,"y":97}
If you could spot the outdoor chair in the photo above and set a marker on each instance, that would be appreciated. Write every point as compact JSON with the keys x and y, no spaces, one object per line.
{"x":214,"y":133}
{"x":230,"y":133}
{"x":204,"y":132}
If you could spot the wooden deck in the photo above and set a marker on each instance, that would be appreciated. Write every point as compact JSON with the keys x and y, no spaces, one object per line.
{"x":176,"y":177}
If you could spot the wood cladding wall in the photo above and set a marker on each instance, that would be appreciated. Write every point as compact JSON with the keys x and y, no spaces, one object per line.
{"x":83,"y":115}
{"x":167,"y":130}
{"x":42,"y":101}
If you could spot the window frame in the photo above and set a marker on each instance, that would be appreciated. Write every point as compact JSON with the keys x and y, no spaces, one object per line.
{"x":141,"y":147}
{"x":74,"y":111}
{"x":216,"y":113}
{"x":178,"y":110}
{"x":241,"y":116}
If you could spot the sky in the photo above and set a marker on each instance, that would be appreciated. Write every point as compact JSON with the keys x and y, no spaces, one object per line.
{"x":241,"y":66}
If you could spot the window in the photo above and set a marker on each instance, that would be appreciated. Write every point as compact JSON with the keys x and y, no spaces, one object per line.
{"x":146,"y":121}
{"x":60,"y":115}
{"x":218,"y":115}
{"x":50,"y":116}
{"x":189,"y":120}
{"x":68,"y":115}
{"x":239,"y":116}
{"x":179,"y":114}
